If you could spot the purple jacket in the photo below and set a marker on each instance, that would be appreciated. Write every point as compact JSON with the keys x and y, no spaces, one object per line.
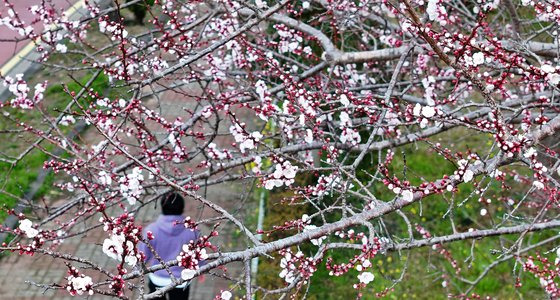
{"x":168,"y":242}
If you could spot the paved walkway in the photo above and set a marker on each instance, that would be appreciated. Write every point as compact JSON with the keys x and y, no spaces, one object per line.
{"x":15,"y":270}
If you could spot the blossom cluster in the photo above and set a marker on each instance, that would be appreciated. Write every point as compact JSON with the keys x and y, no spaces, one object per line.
{"x":318,"y":241}
{"x":190,"y":257}
{"x":546,"y":10}
{"x":284,"y":174}
{"x":296,"y":265}
{"x":327,"y":184}
{"x":552,"y":75}
{"x":366,"y":277}
{"x":124,"y":235}
{"x":130,"y":185}
{"x":19,"y":88}
{"x":546,"y":271}
{"x":244,"y":141}
{"x":349,"y":134}
{"x":118,"y":246}
{"x":436,"y":11}
{"x":463,"y":172}
{"x":26,"y":226}
{"x":290,"y":40}
{"x":224,"y":295}
{"x":404,"y":191}
{"x":424,"y":113}
{"x":78,"y":284}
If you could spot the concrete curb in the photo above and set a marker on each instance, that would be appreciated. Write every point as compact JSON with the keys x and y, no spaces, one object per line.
{"x":23,"y":62}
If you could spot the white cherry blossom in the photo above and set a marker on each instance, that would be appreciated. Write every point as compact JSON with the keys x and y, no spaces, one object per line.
{"x":468,"y":176}
{"x":407,"y":195}
{"x":478,"y":58}
{"x":225,"y":295}
{"x":539,"y":185}
{"x":67,"y":120}
{"x":366,"y":277}
{"x":26,"y":226}
{"x":188,"y":274}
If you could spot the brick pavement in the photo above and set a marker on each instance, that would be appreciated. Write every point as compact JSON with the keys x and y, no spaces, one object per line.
{"x":15,"y":270}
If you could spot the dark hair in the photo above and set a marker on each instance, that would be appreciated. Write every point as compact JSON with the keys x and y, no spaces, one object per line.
{"x":172,"y":204}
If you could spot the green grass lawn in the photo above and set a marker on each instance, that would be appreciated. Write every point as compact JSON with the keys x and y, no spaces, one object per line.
{"x":15,"y":180}
{"x":426,"y":268}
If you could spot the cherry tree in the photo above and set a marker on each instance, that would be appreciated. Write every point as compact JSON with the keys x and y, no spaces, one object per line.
{"x":317,"y":99}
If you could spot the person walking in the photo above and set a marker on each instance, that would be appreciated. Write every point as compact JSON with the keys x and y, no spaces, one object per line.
{"x":169,"y":236}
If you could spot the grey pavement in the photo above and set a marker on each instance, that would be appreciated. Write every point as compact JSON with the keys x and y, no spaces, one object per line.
{"x":15,"y":270}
